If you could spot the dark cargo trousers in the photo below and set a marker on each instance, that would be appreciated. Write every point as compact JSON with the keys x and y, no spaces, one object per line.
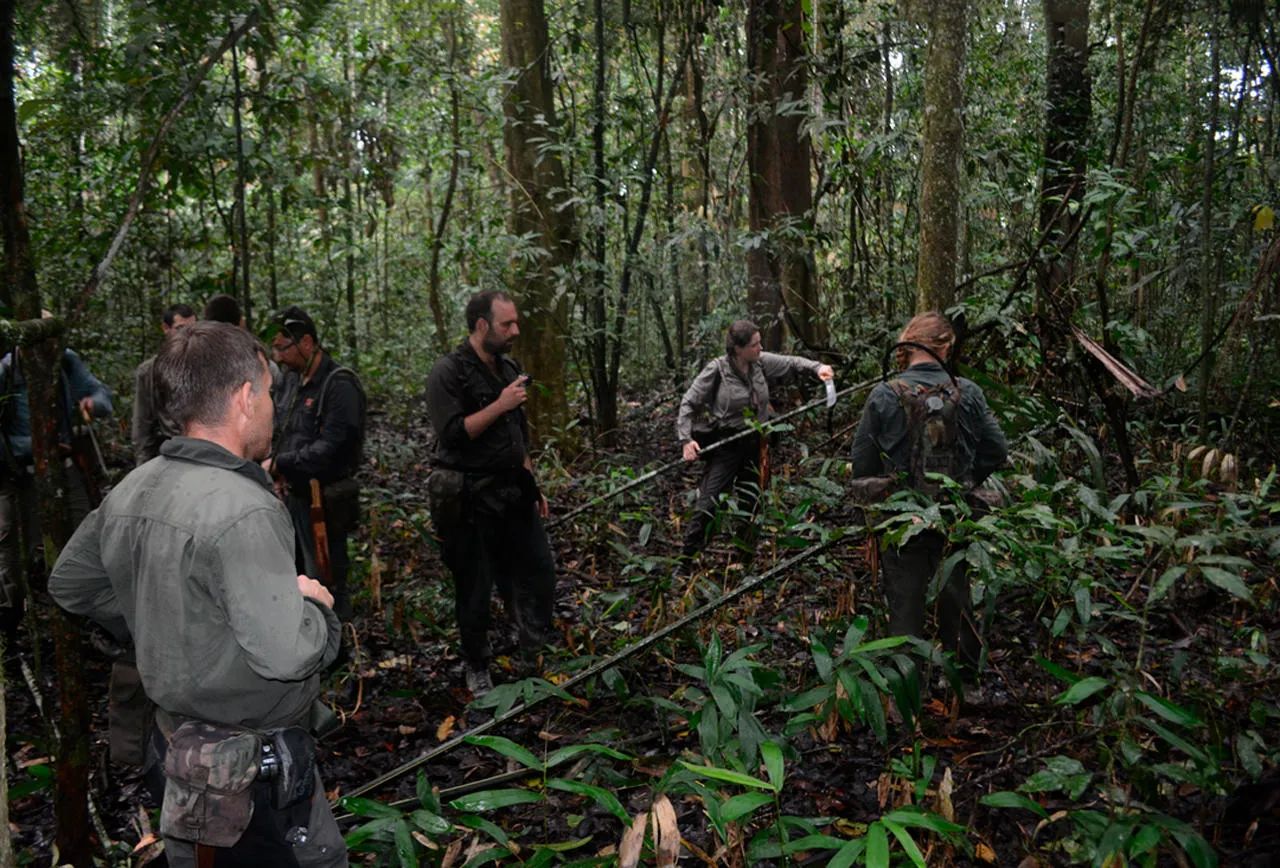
{"x":908,"y":572}
{"x":305,"y":553}
{"x":737,"y":462}
{"x":510,"y":552}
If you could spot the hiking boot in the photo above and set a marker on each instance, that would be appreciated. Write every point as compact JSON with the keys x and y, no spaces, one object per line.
{"x":478,"y":681}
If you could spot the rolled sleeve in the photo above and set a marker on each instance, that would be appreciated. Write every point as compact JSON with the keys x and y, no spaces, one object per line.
{"x":284,"y":635}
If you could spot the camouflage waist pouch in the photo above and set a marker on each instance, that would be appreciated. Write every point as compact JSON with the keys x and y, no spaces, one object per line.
{"x":208,"y":794}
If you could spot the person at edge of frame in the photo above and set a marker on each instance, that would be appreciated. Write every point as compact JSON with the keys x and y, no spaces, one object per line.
{"x":321,"y":437}
{"x":485,"y":503}
{"x":713,"y":409}
{"x":147,"y":431}
{"x":190,"y":557}
{"x":882,"y":447}
{"x":79,"y":393}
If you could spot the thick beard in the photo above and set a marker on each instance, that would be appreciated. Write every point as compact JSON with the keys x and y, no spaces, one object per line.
{"x":495,"y":347}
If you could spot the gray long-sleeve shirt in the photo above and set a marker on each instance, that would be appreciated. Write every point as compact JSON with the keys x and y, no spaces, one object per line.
{"x":721,"y":393}
{"x":191,"y":555}
{"x":880,"y":445}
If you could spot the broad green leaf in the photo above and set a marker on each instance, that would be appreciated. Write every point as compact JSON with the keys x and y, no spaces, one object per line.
{"x":432,"y":824}
{"x":814,"y":842}
{"x":507,"y":748}
{"x":1168,"y":710}
{"x":567,"y":753}
{"x":604,"y":798}
{"x":491,"y":799}
{"x":877,"y":846}
{"x":848,"y":854}
{"x":367,"y":808}
{"x":1176,"y":740}
{"x":743,"y":804}
{"x":773,"y":763}
{"x":728,"y":776}
{"x":406,"y":852}
{"x":1009,"y":799}
{"x":1229,"y":582}
{"x":497,"y":854}
{"x":360,"y":834}
{"x":1056,"y":671}
{"x":922,"y":819}
{"x":565,"y":846}
{"x":480,"y":824}
{"x":427,"y":797}
{"x":1082,"y":690}
{"x":908,"y":843}
{"x":1166,"y":581}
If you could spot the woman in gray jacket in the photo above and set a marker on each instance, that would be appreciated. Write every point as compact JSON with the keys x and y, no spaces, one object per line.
{"x":715,"y":407}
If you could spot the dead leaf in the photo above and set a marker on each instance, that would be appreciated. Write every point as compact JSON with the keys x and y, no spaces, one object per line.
{"x":985,"y":853}
{"x":442,"y":731}
{"x":633,"y":842}
{"x":425,"y":841}
{"x":146,"y":842}
{"x":406,"y":730}
{"x":451,"y":854}
{"x":945,"y":808}
{"x":666,"y":832}
{"x":1029,"y":862}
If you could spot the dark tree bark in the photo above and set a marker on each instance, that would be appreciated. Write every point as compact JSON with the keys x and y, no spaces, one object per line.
{"x":536,"y":208}
{"x":782,"y":290}
{"x":1068,"y":88}
{"x":242,"y":218}
{"x":942,"y":149}
{"x":22,"y":292}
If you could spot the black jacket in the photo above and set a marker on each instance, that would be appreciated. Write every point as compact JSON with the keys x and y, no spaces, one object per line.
{"x":460,"y":385}
{"x":881,"y":445}
{"x":310,"y":447}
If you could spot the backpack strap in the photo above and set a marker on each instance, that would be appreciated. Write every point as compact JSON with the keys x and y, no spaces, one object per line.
{"x":324,"y":394}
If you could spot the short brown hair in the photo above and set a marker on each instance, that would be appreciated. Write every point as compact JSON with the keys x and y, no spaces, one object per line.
{"x":930,"y":329}
{"x":739,"y":335}
{"x":199,"y":367}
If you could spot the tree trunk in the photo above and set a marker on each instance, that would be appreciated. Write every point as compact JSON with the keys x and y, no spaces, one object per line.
{"x":242,"y":221}
{"x":1067,"y":88}
{"x":443,"y":336}
{"x":71,"y":791}
{"x":940,"y":156}
{"x":1208,"y":275}
{"x":782,"y":288}
{"x":536,"y":208}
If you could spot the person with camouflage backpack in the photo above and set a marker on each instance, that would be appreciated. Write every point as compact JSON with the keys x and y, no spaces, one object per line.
{"x":926,"y":421}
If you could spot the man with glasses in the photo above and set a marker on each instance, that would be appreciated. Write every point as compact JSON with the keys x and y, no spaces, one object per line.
{"x":321,"y":413}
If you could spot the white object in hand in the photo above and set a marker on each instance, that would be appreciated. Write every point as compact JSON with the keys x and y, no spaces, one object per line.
{"x":831,"y":392}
